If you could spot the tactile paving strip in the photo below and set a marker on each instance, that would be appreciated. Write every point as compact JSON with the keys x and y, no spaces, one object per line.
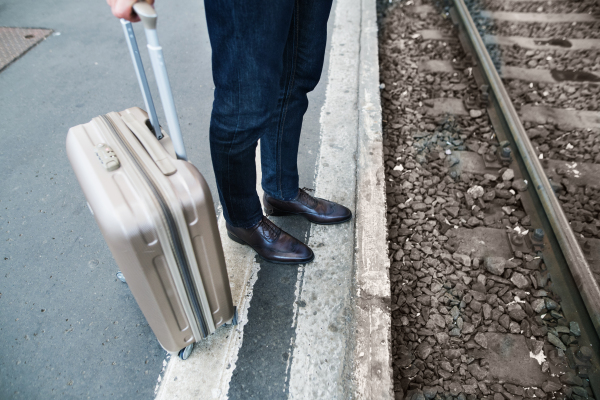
{"x":14,"y":42}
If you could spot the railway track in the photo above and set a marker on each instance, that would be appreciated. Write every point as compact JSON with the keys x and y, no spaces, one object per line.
{"x":493,"y":198}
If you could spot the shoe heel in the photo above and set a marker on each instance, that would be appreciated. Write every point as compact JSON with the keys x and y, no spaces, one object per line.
{"x":235,"y":238}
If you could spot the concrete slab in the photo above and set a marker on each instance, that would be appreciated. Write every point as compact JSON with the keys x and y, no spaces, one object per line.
{"x":524,"y":42}
{"x":432,"y":34}
{"x":578,"y":173}
{"x":443,"y":106}
{"x":473,"y":163}
{"x":519,"y":16}
{"x":481,"y":242}
{"x":539,"y":75}
{"x":593,"y":252}
{"x":576,"y":119}
{"x":439,"y":66}
{"x":508,"y":72}
{"x":541,"y":43}
{"x":509,"y":361}
{"x":424,"y":9}
{"x":536,"y":17}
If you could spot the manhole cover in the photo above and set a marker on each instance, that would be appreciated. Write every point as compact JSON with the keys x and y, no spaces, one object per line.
{"x":14,"y":42}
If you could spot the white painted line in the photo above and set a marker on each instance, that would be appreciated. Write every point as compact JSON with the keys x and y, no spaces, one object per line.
{"x":297,"y":291}
{"x":321,"y":350}
{"x":207,"y":372}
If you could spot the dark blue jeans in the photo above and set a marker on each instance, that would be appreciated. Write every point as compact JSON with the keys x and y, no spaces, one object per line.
{"x":266,"y":56}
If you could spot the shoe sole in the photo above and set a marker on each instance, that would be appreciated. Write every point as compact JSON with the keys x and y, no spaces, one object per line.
{"x":240,"y":241}
{"x":278,"y":213}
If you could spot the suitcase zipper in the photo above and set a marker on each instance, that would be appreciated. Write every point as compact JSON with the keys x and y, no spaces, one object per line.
{"x":173,"y":233}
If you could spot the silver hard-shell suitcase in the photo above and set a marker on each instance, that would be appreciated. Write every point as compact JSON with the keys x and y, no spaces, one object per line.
{"x":155,"y":209}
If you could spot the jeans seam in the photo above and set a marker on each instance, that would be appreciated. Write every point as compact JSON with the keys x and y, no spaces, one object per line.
{"x":228,"y":197}
{"x":296,"y":23}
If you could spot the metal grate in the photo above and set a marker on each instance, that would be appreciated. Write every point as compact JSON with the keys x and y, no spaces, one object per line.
{"x":14,"y":42}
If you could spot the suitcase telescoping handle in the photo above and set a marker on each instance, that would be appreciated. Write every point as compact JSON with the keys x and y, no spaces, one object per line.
{"x":141,"y":75}
{"x":148,"y":15}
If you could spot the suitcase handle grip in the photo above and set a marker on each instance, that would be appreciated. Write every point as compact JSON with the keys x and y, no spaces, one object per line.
{"x":147,"y":13}
{"x":158,"y":153}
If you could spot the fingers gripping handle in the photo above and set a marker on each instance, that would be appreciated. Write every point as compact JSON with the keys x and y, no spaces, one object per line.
{"x":148,"y":16}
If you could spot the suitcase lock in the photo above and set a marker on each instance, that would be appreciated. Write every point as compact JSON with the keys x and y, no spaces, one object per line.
{"x":107,"y":157}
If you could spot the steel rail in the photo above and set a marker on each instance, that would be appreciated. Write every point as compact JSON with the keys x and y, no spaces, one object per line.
{"x":578,"y":265}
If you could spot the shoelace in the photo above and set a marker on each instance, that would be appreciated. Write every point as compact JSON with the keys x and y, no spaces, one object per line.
{"x":306,"y":198}
{"x":271,"y":230}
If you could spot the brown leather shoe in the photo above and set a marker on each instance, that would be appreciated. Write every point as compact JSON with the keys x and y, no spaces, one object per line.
{"x":314,"y":209}
{"x":272,"y":243}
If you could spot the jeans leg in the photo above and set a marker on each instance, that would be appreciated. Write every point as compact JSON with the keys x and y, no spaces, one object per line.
{"x":248,"y":38}
{"x":303,"y":59}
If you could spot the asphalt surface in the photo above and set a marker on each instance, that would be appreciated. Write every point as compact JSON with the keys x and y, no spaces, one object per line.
{"x":69,"y":328}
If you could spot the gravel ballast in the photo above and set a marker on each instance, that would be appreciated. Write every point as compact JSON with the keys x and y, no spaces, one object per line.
{"x":447,"y":303}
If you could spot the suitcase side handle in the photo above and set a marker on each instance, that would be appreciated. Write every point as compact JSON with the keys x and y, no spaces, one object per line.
{"x":149,"y":17}
{"x":158,"y":153}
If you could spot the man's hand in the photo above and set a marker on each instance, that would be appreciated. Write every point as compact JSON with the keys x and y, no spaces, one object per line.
{"x":124,"y":9}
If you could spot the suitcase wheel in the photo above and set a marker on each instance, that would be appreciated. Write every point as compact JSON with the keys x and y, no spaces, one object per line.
{"x":185,"y":352}
{"x":121,"y":277}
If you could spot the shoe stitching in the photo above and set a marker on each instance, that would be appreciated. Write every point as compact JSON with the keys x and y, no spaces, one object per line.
{"x":307,"y":199}
{"x":271,"y":231}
